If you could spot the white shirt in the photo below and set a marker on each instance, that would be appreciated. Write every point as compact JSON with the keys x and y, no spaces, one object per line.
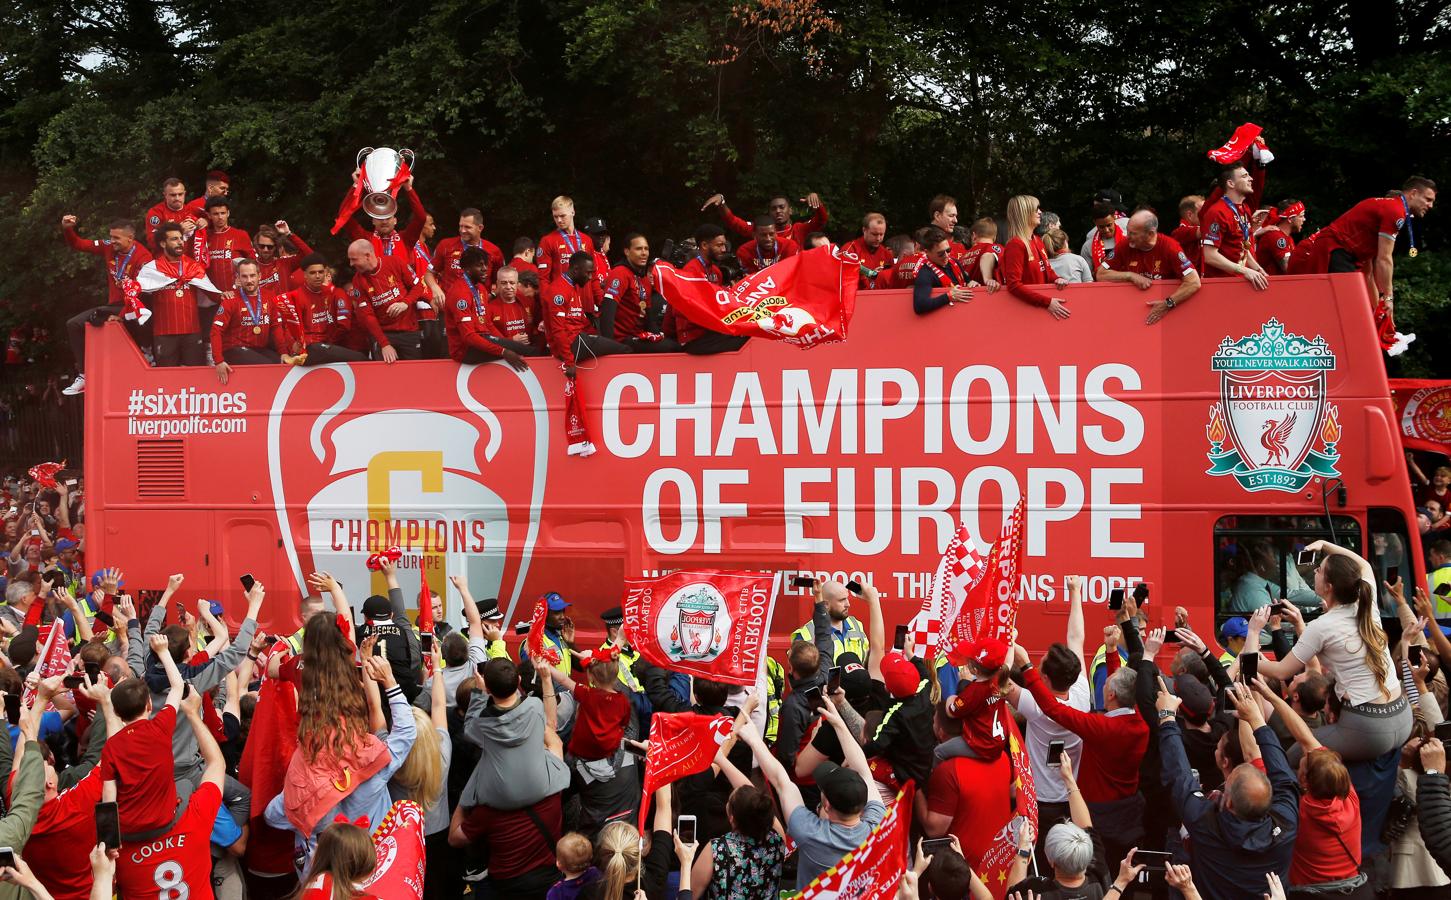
{"x":1335,"y":639}
{"x":1041,"y":730}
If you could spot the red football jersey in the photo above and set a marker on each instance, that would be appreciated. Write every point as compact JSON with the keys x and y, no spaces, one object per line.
{"x":1188,"y":237}
{"x":1225,"y":225}
{"x":905,"y":275}
{"x":685,"y":330}
{"x":1359,"y":229}
{"x":753,"y":259}
{"x":445,"y":260}
{"x":554,"y":251}
{"x":1273,"y":247}
{"x":1166,"y":259}
{"x":162,"y":213}
{"x":567,"y":307}
{"x":118,"y":266}
{"x":392,"y":282}
{"x":973,"y":262}
{"x":178,"y":865}
{"x":174,"y":307}
{"x":218,"y":251}
{"x":247,"y":322}
{"x":466,"y":320}
{"x":311,"y":316}
{"x":631,"y":294}
{"x":510,"y":319}
{"x":879,"y":260}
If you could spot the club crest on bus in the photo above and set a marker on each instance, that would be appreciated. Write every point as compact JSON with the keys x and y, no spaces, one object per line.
{"x":697,"y":622}
{"x":1272,"y":429}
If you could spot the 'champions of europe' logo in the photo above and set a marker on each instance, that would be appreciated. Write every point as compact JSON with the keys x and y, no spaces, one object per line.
{"x":1272,"y":429}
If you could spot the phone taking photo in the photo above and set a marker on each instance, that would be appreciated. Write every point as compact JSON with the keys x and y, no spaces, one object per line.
{"x":803,"y":581}
{"x":108,"y":825}
{"x":833,"y":679}
{"x":1305,"y":558}
{"x":899,"y":638}
{"x":814,"y":699}
{"x":425,"y":641}
{"x":247,"y":582}
{"x":855,"y":587}
{"x":1152,"y":860}
{"x":1414,"y":654}
{"x":685,"y":829}
{"x":1141,"y":593}
{"x":1116,"y":599}
{"x":1055,"y":753}
{"x":1249,"y":667}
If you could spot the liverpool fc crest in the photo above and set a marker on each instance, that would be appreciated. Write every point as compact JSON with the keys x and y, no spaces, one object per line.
{"x":1272,"y":429}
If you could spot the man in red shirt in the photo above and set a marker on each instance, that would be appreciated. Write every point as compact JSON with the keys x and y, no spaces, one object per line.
{"x":172,"y":208}
{"x":980,"y":262}
{"x":387,"y":289}
{"x":511,"y":318}
{"x":276,"y":268}
{"x":385,"y":236}
{"x":1147,"y":256}
{"x":1274,"y":245}
{"x":630,"y":312}
{"x":318,"y":315}
{"x":248,"y":329}
{"x":778,"y":212}
{"x":179,"y":863}
{"x":711,"y":249}
{"x":470,"y":234}
{"x":569,"y":312}
{"x":876,"y":258}
{"x":1187,"y":234}
{"x":123,"y":258}
{"x":1364,"y":238}
{"x":522,"y":254}
{"x":942,"y":212}
{"x":1225,"y":231}
{"x":218,"y":247}
{"x":472,"y":338}
{"x":554,"y":250}
{"x":173,"y":280}
{"x":766,"y":249}
{"x":908,"y":251}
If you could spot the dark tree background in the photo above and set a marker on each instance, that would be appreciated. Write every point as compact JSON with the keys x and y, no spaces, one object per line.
{"x":641,"y":109}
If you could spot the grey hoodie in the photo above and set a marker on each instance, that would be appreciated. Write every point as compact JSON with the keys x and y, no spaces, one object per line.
{"x":514,"y":769}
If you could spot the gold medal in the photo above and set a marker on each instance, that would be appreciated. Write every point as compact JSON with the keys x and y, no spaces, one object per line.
{"x":1413,"y":252}
{"x":180,"y":292}
{"x":256,"y":329}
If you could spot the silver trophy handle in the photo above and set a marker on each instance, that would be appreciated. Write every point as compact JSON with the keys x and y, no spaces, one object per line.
{"x":407,"y":156}
{"x":363,"y":154}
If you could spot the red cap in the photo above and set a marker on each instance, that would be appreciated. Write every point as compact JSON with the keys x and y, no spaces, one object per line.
{"x":899,"y":675}
{"x":988,"y":652}
{"x":219,"y":175}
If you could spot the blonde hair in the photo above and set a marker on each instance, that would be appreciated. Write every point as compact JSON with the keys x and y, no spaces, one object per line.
{"x":617,"y":854}
{"x":603,"y":673}
{"x":421,"y":775}
{"x":1020,"y":216}
{"x":1054,"y":241}
{"x":561,"y":202}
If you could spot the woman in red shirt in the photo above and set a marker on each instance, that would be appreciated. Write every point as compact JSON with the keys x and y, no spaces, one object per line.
{"x":1025,"y":260}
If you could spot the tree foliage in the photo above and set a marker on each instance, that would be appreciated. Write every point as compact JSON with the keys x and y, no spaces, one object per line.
{"x":641,"y":109}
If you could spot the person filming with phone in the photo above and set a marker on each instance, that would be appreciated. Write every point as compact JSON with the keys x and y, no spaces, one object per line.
{"x":1351,"y":646}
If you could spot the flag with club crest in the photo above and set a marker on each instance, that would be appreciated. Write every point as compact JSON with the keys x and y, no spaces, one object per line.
{"x":873,"y":869}
{"x":991,"y":607}
{"x":54,"y":659}
{"x":959,"y":570}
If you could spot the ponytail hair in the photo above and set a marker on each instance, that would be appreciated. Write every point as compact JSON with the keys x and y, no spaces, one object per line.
{"x":1347,"y":588}
{"x":617,"y":854}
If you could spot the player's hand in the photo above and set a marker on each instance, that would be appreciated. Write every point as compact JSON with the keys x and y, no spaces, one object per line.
{"x":812,"y":200}
{"x":224,"y":371}
{"x":1058,"y":309}
{"x":1158,"y":309}
{"x":282,"y":227}
{"x":68,"y":221}
{"x":1256,"y":279}
{"x":396,"y":308}
{"x":714,"y":199}
{"x":389,"y":355}
{"x":515,"y":360}
{"x":1140,"y":282}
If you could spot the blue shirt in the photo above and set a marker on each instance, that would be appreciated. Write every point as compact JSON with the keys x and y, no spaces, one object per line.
{"x":50,"y":724}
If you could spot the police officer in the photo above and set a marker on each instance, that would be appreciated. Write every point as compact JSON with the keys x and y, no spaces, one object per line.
{"x":614,"y":619}
{"x":847,"y":633}
{"x":310,"y":606}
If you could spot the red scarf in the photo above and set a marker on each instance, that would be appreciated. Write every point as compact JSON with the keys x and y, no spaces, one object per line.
{"x":575,"y":429}
{"x":942,"y":277}
{"x":1098,"y":251}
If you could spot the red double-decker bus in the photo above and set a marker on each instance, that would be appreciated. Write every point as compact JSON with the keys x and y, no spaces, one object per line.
{"x":1197,"y":454}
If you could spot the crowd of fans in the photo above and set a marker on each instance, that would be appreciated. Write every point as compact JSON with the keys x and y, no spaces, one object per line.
{"x":195,"y":289}
{"x":1301,"y":758}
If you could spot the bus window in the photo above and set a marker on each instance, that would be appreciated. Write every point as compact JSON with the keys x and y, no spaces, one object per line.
{"x":1389,"y":553}
{"x":1254,"y":561}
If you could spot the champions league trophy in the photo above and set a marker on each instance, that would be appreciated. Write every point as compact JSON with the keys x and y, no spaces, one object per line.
{"x":383,"y":170}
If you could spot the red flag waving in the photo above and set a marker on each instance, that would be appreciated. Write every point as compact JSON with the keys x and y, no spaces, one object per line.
{"x":55,"y":659}
{"x":706,"y":623}
{"x":959,"y":571}
{"x":873,"y":869}
{"x":1423,"y":411}
{"x":44,"y":473}
{"x":992,"y":605}
{"x":399,"y":845}
{"x":538,"y":647}
{"x":997,"y":856}
{"x":681,"y":744}
{"x":806,"y":299}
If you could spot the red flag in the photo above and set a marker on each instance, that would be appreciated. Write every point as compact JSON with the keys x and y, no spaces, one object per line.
{"x":873,"y":869}
{"x":1423,"y":411}
{"x":959,"y":571}
{"x":425,"y":617}
{"x":681,"y":744}
{"x":54,"y":659}
{"x":1237,"y":146}
{"x":399,"y":843}
{"x":265,"y":756}
{"x":539,"y":648}
{"x":806,"y":299}
{"x":707,"y":623}
{"x":44,"y":473}
{"x":992,"y":605}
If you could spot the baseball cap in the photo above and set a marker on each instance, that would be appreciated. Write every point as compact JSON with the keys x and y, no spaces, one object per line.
{"x":1237,"y":627}
{"x":613,"y":616}
{"x":489,"y":610}
{"x":594,"y":225}
{"x":65,"y":544}
{"x":856,"y":682}
{"x":1196,"y":701}
{"x":988,"y":652}
{"x":899,"y":675}
{"x":843,"y":788}
{"x":1109,"y":195}
{"x":376,"y":607}
{"x":556,"y":602}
